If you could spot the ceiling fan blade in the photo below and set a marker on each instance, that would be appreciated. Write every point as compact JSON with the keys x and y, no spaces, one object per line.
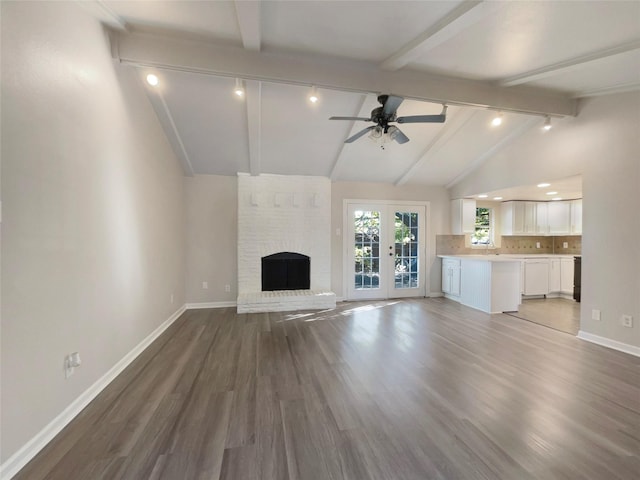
{"x":351,"y":118}
{"x":400,"y":137}
{"x":361,"y":133}
{"x":391,"y":105}
{"x":422,"y":119}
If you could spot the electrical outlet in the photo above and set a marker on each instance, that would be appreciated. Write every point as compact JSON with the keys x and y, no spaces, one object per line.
{"x":595,"y":315}
{"x":205,"y":285}
{"x":565,"y":244}
{"x":171,"y":298}
{"x":627,"y":321}
{"x":537,"y":244}
{"x":71,"y":361}
{"x":227,"y":288}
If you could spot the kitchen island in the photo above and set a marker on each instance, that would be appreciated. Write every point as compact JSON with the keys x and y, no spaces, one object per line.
{"x":490,"y":283}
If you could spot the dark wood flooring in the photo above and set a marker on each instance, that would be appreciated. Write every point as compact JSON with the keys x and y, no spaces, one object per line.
{"x":557,"y":313}
{"x":403,"y":389}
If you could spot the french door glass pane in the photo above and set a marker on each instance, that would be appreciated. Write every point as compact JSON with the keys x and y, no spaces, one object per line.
{"x":367,"y":249}
{"x":406,"y":250}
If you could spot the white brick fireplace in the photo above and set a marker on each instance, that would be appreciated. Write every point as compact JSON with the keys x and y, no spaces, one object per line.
{"x":283,"y":213}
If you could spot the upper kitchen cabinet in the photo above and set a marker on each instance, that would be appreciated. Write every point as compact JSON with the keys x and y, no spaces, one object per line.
{"x":519,"y":218}
{"x":542,"y":218}
{"x":559,"y":218}
{"x":463,"y":216}
{"x":576,"y":217}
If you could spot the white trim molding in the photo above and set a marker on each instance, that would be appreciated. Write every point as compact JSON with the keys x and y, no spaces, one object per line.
{"x":30,"y":449}
{"x":195,"y":306}
{"x":607,"y":342}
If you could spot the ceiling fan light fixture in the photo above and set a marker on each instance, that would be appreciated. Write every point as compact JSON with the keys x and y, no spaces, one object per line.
{"x":313,"y":95}
{"x":392,"y":132}
{"x":547,"y":124}
{"x":376,"y":133}
{"x":238,"y":89}
{"x":497,"y":120}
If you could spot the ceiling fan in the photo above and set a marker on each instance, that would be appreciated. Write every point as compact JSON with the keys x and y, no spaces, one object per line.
{"x":386,"y":114}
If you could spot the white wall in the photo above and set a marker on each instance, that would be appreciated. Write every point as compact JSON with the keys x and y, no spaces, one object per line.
{"x":603,"y":144}
{"x":439,"y":222}
{"x":212,"y":235}
{"x":93,"y":213}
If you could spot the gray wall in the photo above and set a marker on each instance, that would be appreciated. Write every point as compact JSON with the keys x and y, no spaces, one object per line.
{"x":212,"y":235}
{"x":602,"y":144}
{"x":93,"y":213}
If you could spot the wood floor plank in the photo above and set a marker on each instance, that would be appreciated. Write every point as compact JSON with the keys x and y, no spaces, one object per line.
{"x":399,"y":389}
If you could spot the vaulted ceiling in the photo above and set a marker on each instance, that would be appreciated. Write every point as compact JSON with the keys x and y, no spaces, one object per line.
{"x":527,"y":59}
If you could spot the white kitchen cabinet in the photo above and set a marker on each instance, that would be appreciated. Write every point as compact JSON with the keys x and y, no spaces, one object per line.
{"x":554,"y":275}
{"x":566,"y":276}
{"x":559,"y":218}
{"x":536,"y":276}
{"x":542,"y":218}
{"x":451,"y":277}
{"x":518,"y":218}
{"x":576,"y":217}
{"x":463,"y":216}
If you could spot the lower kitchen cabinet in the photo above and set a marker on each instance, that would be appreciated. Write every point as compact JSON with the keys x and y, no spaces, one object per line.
{"x":566,"y":276}
{"x":554,"y":275}
{"x":536,"y":276}
{"x":451,"y":277}
{"x":561,"y":276}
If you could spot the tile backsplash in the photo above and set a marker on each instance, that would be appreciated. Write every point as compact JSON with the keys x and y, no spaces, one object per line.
{"x":455,"y":244}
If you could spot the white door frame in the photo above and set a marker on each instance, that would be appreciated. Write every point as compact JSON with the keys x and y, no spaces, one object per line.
{"x":347,"y":242}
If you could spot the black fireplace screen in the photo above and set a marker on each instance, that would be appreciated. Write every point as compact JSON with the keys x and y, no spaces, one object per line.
{"x":285,"y":271}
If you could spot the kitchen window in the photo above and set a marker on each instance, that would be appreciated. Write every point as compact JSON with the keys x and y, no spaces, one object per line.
{"x":484,"y":227}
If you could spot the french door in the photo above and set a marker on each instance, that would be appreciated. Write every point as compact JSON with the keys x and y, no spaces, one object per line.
{"x":385,"y":250}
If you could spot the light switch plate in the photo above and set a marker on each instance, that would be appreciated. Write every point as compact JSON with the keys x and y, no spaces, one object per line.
{"x":595,"y":314}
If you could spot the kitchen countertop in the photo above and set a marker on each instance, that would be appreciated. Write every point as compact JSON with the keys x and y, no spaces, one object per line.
{"x":503,"y":257}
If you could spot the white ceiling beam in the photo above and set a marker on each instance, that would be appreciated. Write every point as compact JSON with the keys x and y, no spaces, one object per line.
{"x":249,"y":14}
{"x":253,"y":99}
{"x":360,"y":112}
{"x":568,"y":65}
{"x":446,"y":133}
{"x":326,"y":72}
{"x":103,"y":13}
{"x":460,"y":18}
{"x":596,"y":92}
{"x":170,"y":128}
{"x":495,"y":148}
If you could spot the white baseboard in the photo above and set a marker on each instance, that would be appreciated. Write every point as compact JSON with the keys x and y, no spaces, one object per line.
{"x":435,"y":294}
{"x":607,"y":342}
{"x":195,"y":306}
{"x":29,"y":450}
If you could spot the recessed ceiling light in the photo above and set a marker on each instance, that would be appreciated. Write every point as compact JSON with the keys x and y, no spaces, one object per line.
{"x":547,"y":124}
{"x":542,"y":185}
{"x":313,"y":96}
{"x":556,"y":198}
{"x":152,"y":80}
{"x":483,"y":196}
{"x":497,"y":198}
{"x":238,"y":89}
{"x":552,"y":193}
{"x":497,"y":120}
